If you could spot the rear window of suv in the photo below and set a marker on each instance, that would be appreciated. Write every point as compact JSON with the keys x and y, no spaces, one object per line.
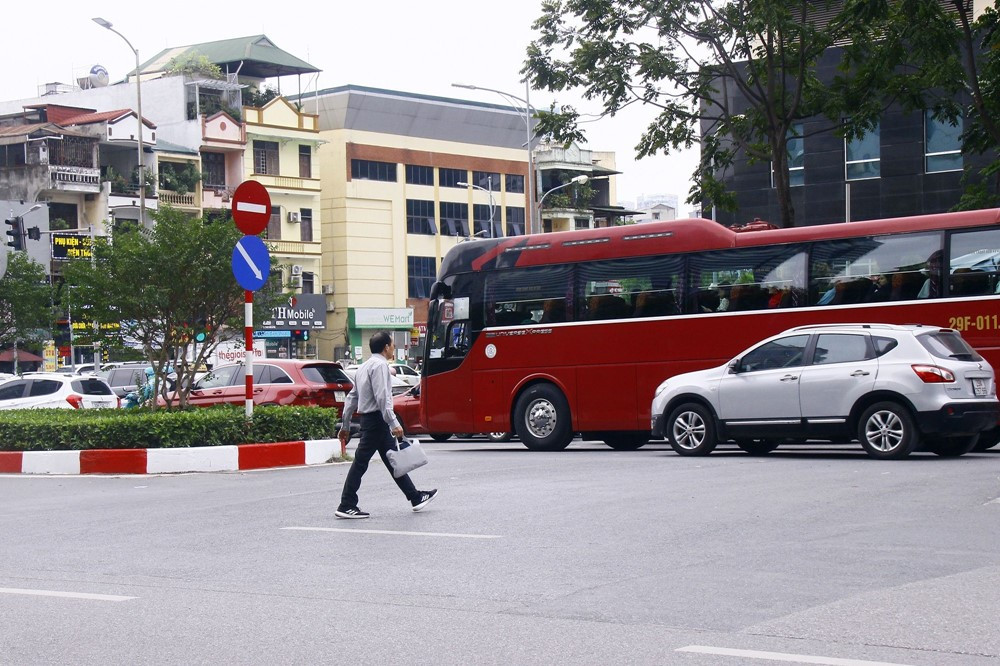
{"x":950,"y":345}
{"x":93,"y":386}
{"x":325,"y":373}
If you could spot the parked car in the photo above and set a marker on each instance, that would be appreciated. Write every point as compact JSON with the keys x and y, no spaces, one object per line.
{"x":125,"y":377}
{"x":890,"y":387}
{"x":56,"y":390}
{"x":405,"y":373}
{"x":276,"y":382}
{"x":398,"y":385}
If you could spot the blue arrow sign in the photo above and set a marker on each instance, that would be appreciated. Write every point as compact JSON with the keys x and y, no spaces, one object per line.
{"x":251,"y":263}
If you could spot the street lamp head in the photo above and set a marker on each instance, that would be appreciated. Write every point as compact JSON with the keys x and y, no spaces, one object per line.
{"x":101,"y":22}
{"x":462,"y":184}
{"x":580,"y":180}
{"x":465,"y":85}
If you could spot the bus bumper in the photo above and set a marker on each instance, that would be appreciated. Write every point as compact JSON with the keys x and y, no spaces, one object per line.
{"x":657,"y":427}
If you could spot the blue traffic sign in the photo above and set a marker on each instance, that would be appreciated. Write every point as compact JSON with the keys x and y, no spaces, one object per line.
{"x":251,"y":263}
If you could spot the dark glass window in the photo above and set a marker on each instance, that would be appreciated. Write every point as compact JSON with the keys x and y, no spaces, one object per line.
{"x":974,"y":263}
{"x":526,"y":296}
{"x":306,"y":224}
{"x":755,"y":278}
{"x":265,"y":157}
{"x":273,"y":231}
{"x":454,"y":219}
{"x":419,"y":175}
{"x":305,"y":161}
{"x":324,"y":373}
{"x":213,"y":169}
{"x":780,"y":353}
{"x":875,"y":269}
{"x":481,"y":214}
{"x":515,"y":221}
{"x":421,"y":272}
{"x":451,"y":177}
{"x":308,"y":283}
{"x":45,"y":387}
{"x":13,"y":390}
{"x":515,"y":183}
{"x":420,"y":217}
{"x":623,"y":288}
{"x":92,"y":386}
{"x":486,"y":180}
{"x":370,"y":170}
{"x":841,"y":348}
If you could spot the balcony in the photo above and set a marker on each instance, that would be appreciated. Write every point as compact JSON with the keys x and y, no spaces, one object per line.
{"x":287,"y":182}
{"x":74,"y":179}
{"x":289,"y":247}
{"x":178,"y":200}
{"x":216,"y":197}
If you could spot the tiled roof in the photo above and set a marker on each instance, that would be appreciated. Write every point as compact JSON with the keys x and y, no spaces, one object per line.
{"x":101,"y":117}
{"x":259,"y":57}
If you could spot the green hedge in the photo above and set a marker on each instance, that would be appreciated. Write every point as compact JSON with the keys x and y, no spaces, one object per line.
{"x":56,"y":429}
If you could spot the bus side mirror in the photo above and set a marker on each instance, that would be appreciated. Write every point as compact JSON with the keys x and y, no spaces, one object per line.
{"x":734,"y":367}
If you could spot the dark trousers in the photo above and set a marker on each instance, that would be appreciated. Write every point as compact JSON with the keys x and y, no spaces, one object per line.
{"x":375,"y":436}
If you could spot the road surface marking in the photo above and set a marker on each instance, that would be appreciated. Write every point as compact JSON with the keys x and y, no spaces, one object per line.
{"x":429,"y":534}
{"x":784,"y":656}
{"x":247,"y":207}
{"x":65,"y":595}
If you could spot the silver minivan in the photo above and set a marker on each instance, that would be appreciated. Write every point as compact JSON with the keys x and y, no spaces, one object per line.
{"x":893,"y":388}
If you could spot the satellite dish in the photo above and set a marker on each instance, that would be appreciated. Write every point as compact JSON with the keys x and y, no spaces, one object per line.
{"x":98,"y":76}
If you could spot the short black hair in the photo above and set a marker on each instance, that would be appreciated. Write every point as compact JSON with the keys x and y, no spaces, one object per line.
{"x":379,"y":342}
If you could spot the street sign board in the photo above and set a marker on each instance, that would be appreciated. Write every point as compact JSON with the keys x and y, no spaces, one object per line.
{"x":251,"y":263}
{"x":71,"y":246}
{"x":251,"y":207}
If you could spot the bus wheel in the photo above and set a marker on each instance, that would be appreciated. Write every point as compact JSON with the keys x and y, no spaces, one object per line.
{"x":887,"y":432}
{"x":988,"y":439}
{"x":440,"y":436}
{"x":691,"y":430}
{"x":626,"y":441}
{"x":757,"y":447}
{"x":952,"y":447}
{"x":542,"y":418}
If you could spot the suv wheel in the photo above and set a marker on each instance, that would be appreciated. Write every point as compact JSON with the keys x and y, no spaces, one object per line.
{"x":691,"y":430}
{"x":887,"y":431}
{"x":952,"y":447}
{"x":988,"y":439}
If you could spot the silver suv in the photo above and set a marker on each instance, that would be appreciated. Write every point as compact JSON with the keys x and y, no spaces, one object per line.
{"x":890,"y":387}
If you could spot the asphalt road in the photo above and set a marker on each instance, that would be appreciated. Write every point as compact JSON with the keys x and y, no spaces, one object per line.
{"x":587,"y":556}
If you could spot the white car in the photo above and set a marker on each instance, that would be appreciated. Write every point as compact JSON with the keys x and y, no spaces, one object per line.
{"x":890,"y":387}
{"x":57,"y":390}
{"x":399,"y":386}
{"x":405,"y":373}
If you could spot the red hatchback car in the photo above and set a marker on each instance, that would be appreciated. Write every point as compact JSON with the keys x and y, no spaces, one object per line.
{"x":275,"y":382}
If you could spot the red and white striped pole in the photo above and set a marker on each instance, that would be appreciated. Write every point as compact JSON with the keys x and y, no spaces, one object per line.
{"x":248,"y":362}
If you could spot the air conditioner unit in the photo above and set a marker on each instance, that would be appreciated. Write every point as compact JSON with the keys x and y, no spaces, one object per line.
{"x":328,"y":289}
{"x":293,"y":216}
{"x":295,"y":281}
{"x":331,"y":306}
{"x":296,"y":269}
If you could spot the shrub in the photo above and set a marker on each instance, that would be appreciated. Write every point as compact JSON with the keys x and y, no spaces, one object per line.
{"x":56,"y":429}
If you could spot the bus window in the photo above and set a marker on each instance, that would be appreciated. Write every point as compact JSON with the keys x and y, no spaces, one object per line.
{"x":974,"y":263}
{"x":528,"y":296}
{"x":622,"y":288}
{"x":748,"y":278}
{"x":870,"y":269}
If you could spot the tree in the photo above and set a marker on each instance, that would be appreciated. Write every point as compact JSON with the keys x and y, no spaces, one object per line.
{"x":166,"y":286}
{"x":737,"y":75}
{"x":194,"y":63}
{"x":25,"y":300}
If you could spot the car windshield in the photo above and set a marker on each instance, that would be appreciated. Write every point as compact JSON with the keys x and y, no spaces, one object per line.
{"x":91,"y":386}
{"x":948,"y":344}
{"x":324,"y":373}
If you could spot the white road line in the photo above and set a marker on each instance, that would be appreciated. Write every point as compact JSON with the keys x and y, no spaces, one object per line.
{"x":783,"y":656}
{"x":428,"y":534}
{"x":65,"y":595}
{"x":247,"y":207}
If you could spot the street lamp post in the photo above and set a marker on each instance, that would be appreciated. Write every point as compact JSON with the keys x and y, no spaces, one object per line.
{"x":489,"y":191}
{"x":138,"y":95}
{"x":528,"y":109}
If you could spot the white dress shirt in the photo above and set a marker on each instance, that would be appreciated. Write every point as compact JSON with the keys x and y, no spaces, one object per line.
{"x":372,"y":391}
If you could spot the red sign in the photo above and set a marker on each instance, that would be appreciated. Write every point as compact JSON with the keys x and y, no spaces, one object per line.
{"x":251,"y":207}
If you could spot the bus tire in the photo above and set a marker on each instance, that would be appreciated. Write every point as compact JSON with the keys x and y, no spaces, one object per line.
{"x":440,"y":436}
{"x":952,"y":447}
{"x":542,"y":419}
{"x":626,"y":441}
{"x":690,"y":429}
{"x":887,"y":431}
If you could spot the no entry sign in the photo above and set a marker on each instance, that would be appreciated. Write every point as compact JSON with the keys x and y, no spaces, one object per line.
{"x":251,"y":207}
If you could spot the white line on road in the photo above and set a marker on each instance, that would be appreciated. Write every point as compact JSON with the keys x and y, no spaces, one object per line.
{"x":783,"y":656}
{"x":65,"y":595}
{"x":428,"y":534}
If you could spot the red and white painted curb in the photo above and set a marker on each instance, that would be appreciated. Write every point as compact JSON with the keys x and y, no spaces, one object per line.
{"x":167,"y":461}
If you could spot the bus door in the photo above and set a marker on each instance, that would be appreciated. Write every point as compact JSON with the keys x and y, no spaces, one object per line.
{"x":448,"y":401}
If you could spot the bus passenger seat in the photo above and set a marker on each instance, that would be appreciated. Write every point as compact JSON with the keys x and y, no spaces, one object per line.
{"x":966,"y":282}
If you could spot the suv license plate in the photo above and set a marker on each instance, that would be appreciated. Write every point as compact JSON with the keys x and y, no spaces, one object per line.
{"x":341,"y":396}
{"x":979,"y":386}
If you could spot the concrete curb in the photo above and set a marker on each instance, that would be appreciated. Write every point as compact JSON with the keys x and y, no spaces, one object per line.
{"x":167,"y":461}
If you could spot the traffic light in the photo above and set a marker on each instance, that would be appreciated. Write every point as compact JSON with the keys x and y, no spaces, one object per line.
{"x":202,"y":331}
{"x":300,"y":335}
{"x":15,"y":234}
{"x":34,"y":233}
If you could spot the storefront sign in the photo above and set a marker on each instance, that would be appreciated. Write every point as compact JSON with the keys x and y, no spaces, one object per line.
{"x":302,"y":311}
{"x":71,"y":246}
{"x":392,"y":318}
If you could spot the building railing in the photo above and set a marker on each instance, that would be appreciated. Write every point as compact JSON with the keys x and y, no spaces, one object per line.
{"x":175,"y":199}
{"x":294,"y":247}
{"x":68,"y":175}
{"x":289,"y":182}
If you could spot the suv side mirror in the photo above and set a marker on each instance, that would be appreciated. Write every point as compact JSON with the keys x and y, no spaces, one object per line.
{"x":735,"y":367}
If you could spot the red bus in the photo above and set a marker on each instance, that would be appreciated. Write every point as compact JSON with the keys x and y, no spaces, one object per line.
{"x":552,"y":334}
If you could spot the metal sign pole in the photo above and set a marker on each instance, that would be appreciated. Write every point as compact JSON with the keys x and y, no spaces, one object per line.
{"x":248,"y":362}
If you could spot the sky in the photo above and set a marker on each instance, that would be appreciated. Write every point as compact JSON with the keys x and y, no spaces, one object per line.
{"x":400,"y":45}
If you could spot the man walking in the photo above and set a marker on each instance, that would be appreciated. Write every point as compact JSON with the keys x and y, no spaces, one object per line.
{"x":371,"y":397}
